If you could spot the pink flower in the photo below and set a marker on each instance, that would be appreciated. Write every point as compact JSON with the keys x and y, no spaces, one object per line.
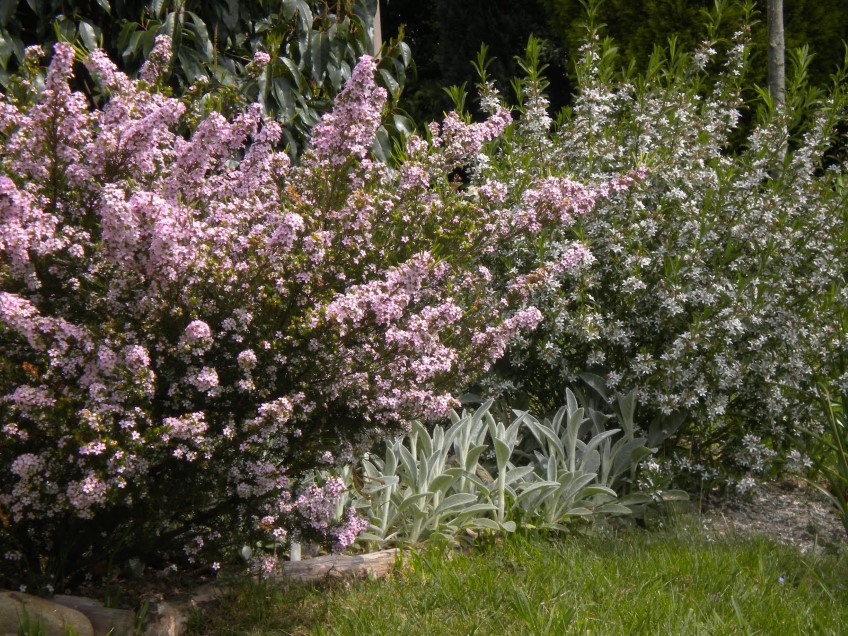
{"x":157,"y":60}
{"x":347,"y":132}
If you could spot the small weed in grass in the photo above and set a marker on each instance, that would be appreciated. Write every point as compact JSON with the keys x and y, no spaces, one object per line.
{"x":630,"y":582}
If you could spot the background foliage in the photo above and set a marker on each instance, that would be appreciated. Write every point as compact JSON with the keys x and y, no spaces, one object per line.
{"x":445,"y":35}
{"x":313,"y":46}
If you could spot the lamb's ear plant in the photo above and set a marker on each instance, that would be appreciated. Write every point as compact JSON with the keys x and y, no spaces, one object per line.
{"x":565,"y":483}
{"x":415,"y":492}
{"x":504,"y":440}
{"x":469,"y":443}
{"x":431,"y":483}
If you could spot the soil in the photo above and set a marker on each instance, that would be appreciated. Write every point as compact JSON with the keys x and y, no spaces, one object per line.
{"x":789,"y":511}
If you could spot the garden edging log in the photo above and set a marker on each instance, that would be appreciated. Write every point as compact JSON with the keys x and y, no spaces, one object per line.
{"x":376,"y":564}
{"x":170,"y":617}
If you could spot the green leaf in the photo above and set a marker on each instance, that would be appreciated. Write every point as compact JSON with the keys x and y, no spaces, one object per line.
{"x":389,"y":81}
{"x":482,"y":485}
{"x":590,"y":461}
{"x":635,"y":499}
{"x":502,"y":453}
{"x":597,"y":439}
{"x":484,"y":523}
{"x":596,"y":383}
{"x":65,"y":29}
{"x":382,"y":147}
{"x":313,"y":57}
{"x":539,"y":486}
{"x":423,"y":438}
{"x":571,"y":483}
{"x":442,"y":482}
{"x":627,"y":453}
{"x":89,"y":35}
{"x":674,"y":495}
{"x":664,"y":427}
{"x":473,"y":455}
{"x":403,"y":124}
{"x":294,"y":73}
{"x":518,"y":473}
{"x":544,"y":433}
{"x":626,"y":407}
{"x":597,"y":489}
{"x":478,"y":507}
{"x":405,"y":53}
{"x":457,"y":500}
{"x":379,"y":484}
{"x":410,"y":500}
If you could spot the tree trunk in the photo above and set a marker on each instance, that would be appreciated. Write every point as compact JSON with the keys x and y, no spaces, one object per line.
{"x":776,"y":53}
{"x":377,"y":38}
{"x":777,"y":74}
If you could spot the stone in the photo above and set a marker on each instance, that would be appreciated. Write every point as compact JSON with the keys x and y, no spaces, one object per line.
{"x":104,"y":620}
{"x":166,"y":619}
{"x":170,"y":618}
{"x":56,"y":619}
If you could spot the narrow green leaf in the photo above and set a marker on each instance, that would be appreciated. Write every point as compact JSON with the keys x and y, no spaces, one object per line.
{"x":518,"y":473}
{"x":442,"y":483}
{"x":478,"y":507}
{"x":457,"y":500}
{"x":502,"y":453}
{"x":413,"y":500}
{"x":484,"y":523}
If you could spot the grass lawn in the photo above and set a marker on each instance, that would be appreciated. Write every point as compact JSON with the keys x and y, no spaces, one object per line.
{"x":624,"y":582}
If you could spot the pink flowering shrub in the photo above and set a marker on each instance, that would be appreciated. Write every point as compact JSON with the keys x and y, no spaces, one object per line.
{"x":189,"y":324}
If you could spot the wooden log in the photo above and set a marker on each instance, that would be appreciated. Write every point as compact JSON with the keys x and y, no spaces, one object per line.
{"x":376,"y":564}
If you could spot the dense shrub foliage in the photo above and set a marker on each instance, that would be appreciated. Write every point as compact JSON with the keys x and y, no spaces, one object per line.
{"x":189,"y":325}
{"x":717,"y":287}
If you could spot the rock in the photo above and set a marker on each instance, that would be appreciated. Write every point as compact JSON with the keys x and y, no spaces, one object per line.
{"x":170,"y":618}
{"x":57,"y":619}
{"x":103,"y":619}
{"x":166,"y":619}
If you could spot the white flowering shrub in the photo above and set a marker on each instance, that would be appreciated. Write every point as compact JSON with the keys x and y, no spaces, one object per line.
{"x":190,"y":325}
{"x":716,"y":287}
